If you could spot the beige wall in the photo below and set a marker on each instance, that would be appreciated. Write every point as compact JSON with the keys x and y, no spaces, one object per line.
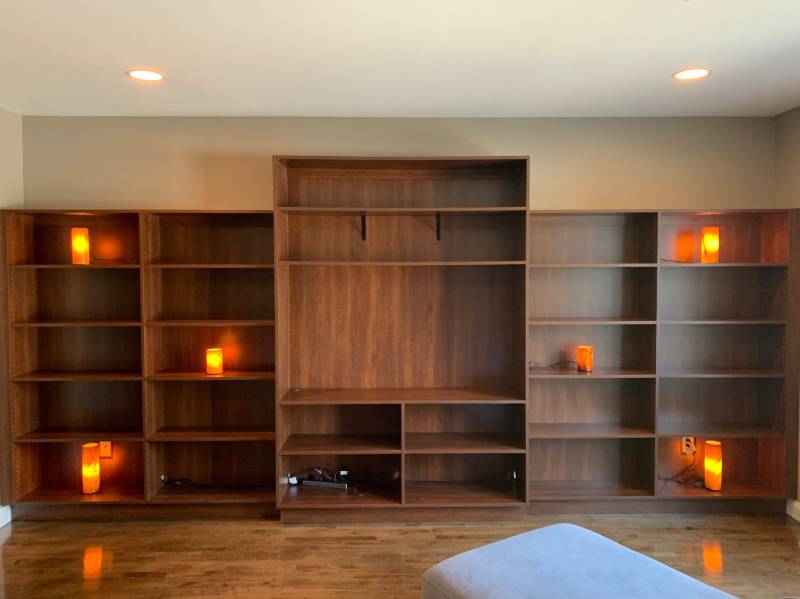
{"x":787,"y":159}
{"x":10,"y":160}
{"x":225,"y":163}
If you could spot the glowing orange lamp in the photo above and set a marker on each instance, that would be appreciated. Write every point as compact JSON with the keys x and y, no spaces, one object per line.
{"x":80,"y":245}
{"x":584,"y":358}
{"x":709,"y":246}
{"x":713,"y":465}
{"x":90,"y":467}
{"x":214,"y":361}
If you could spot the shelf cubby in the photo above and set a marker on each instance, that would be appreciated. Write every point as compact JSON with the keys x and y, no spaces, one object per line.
{"x":212,"y":472}
{"x":211,"y":295}
{"x":724,"y":407}
{"x":63,"y":410}
{"x":561,"y":295}
{"x":88,"y":352}
{"x":592,"y":238}
{"x":43,"y":238}
{"x":591,"y":408}
{"x":472,"y":237}
{"x":751,"y":468}
{"x":375,"y":481}
{"x":625,"y":349}
{"x":729,"y":295}
{"x":721,"y":350}
{"x":179,"y":353}
{"x":590,"y":468}
{"x":453,"y":428}
{"x":75,"y":297}
{"x":205,"y":239}
{"x":213,"y":410}
{"x":51,"y":472}
{"x":481,"y":480}
{"x":758,"y":238}
{"x":400,"y":183}
{"x":341,"y":429}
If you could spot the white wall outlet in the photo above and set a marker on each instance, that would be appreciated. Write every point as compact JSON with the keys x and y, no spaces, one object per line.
{"x":105,"y":449}
{"x":688,"y":446}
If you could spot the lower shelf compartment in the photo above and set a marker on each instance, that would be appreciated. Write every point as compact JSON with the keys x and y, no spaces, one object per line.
{"x":373,"y":496}
{"x":215,"y":494}
{"x":729,"y":491}
{"x":462,"y":493}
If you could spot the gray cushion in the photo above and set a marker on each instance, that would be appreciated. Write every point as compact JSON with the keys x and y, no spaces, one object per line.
{"x":555,"y":562}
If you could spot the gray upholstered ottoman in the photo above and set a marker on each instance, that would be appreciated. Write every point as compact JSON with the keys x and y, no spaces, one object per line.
{"x":559,"y":562}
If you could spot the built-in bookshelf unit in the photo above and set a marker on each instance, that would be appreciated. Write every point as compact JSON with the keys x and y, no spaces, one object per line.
{"x":402,"y":306}
{"x":410,"y":322}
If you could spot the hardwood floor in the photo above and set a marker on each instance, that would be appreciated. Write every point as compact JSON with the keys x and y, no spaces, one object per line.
{"x":750,"y":557}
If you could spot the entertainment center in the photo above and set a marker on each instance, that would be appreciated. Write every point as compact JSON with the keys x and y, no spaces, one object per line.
{"x":412,"y":321}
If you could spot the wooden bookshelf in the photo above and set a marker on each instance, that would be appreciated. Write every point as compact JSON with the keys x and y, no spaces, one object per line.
{"x":411,"y":321}
{"x":411,"y":372}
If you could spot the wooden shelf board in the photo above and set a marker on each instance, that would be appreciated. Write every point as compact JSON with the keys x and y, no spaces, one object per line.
{"x":399,"y":210}
{"x":401,"y":396}
{"x":591,"y":321}
{"x":105,"y":495}
{"x":66,"y":435}
{"x":721,"y":374}
{"x":77,"y":323}
{"x":372,"y":496}
{"x":214,"y":494}
{"x":564,"y":490}
{"x":210,"y":433}
{"x":740,"y":321}
{"x":711,"y":429}
{"x":592,"y":264}
{"x":729,"y":491}
{"x":78,"y":375}
{"x":597,"y":373}
{"x":587,"y":431}
{"x":78,"y":266}
{"x":254,"y":322}
{"x":461,"y":494}
{"x":666,"y":264}
{"x":462,"y":443}
{"x":188,"y":265}
{"x":305,"y":444}
{"x":228,"y":375}
{"x":402,"y":262}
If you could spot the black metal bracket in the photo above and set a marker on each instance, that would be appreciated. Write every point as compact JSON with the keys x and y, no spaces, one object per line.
{"x":363,"y":226}
{"x":438,"y":226}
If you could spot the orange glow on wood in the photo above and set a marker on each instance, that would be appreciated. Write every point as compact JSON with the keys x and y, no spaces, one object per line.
{"x":80,"y":245}
{"x":214,"y":361}
{"x":585,"y":358}
{"x":713,"y":465}
{"x":92,"y":562}
{"x":709,"y":246}
{"x":712,"y":557}
{"x":90,"y":467}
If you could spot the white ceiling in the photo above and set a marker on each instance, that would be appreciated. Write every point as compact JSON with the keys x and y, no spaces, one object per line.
{"x":469,"y":58}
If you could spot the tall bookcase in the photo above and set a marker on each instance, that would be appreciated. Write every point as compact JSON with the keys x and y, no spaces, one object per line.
{"x":401,"y":307}
{"x":408,"y":320}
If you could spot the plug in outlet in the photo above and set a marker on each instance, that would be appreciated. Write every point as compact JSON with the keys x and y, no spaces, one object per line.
{"x":688,"y":446}
{"x":105,"y":449}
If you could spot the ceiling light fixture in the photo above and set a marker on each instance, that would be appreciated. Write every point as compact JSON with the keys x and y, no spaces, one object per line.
{"x":144,"y":75}
{"x":692,"y":74}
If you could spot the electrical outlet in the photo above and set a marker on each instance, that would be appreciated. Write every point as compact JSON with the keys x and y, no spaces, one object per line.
{"x":688,"y":446}
{"x":105,"y":449}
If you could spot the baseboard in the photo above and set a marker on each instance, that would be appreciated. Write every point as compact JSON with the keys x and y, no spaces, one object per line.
{"x":793,"y":509}
{"x":5,"y":515}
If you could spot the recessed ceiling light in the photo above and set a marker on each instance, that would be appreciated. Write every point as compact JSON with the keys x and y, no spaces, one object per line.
{"x":144,"y":75}
{"x":692,"y":74}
